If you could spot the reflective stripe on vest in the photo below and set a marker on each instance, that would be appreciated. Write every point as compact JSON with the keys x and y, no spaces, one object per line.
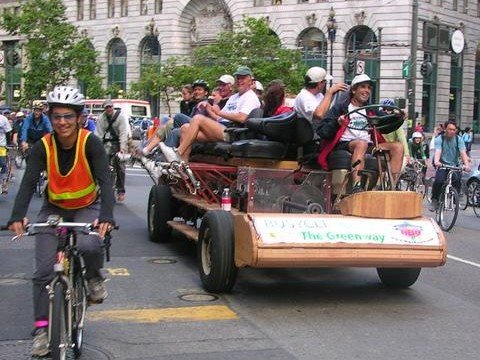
{"x":76,"y":189}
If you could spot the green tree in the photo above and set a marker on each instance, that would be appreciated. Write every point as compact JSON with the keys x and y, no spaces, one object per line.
{"x":251,"y":43}
{"x":54,"y":49}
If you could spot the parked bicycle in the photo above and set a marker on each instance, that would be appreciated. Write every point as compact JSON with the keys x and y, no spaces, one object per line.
{"x":68,"y":291}
{"x":449,"y":200}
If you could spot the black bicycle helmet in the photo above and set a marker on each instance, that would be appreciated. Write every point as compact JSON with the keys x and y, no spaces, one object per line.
{"x":201,"y":83}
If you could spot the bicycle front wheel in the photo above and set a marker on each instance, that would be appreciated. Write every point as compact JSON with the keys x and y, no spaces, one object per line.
{"x":58,"y":324}
{"x":448,"y":209}
{"x":79,"y":309}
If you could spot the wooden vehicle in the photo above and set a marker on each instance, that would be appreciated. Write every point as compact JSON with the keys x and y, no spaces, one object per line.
{"x":285,"y":211}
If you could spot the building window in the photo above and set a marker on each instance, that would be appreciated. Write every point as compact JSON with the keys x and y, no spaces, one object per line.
{"x":123,"y":7}
{"x":117,"y":65}
{"x":303,"y":1}
{"x":454,"y":5}
{"x":277,"y":2}
{"x":80,"y":8}
{"x":158,"y":6}
{"x":429,"y":93}
{"x":93,"y":9}
{"x":465,"y":6}
{"x":456,"y":75}
{"x":111,"y":8}
{"x":143,"y":7}
{"x":476,"y":96}
{"x":314,"y":47}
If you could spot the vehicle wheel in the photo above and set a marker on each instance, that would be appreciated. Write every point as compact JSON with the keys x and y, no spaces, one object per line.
{"x":398,"y":278}
{"x":403,"y":185}
{"x":215,"y":252}
{"x":79,"y":308}
{"x":428,"y":189}
{"x":448,"y":210}
{"x":476,"y":199}
{"x":58,"y":324}
{"x":159,"y":212}
{"x":470,"y":188}
{"x":19,"y":161}
{"x":463,"y":197}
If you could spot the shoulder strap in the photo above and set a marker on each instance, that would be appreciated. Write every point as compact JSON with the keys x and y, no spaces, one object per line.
{"x":110,"y":128}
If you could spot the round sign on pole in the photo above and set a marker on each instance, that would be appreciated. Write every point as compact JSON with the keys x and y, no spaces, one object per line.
{"x":457,"y":41}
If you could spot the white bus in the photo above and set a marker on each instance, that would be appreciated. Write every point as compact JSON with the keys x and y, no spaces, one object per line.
{"x":132,"y":109}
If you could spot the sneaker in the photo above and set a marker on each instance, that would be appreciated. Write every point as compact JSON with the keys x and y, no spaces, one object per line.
{"x":434,"y":205}
{"x":40,"y":345}
{"x":357,"y":188}
{"x":120,"y":197}
{"x":97,"y":290}
{"x":170,"y":153}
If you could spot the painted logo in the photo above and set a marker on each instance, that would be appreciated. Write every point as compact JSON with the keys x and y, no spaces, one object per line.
{"x":409,"y":230}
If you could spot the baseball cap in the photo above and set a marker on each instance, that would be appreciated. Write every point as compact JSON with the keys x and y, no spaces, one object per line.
{"x":417,"y":134}
{"x":20,"y":114}
{"x":107,"y":102}
{"x":226,"y":79}
{"x":258,"y":85}
{"x":361,"y":79}
{"x":242,"y":71}
{"x":316,"y":74}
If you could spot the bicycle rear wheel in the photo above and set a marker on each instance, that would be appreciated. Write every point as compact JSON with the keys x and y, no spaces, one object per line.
{"x":428,"y":189}
{"x":463,"y":197}
{"x":58,"y":324}
{"x":79,"y":309}
{"x":448,"y":209}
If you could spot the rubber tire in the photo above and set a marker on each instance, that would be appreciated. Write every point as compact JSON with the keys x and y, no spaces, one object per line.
{"x":476,"y":199}
{"x":398,"y":278}
{"x":428,"y":189}
{"x":159,"y":211}
{"x":58,"y":324}
{"x":216,"y":252}
{"x":463,"y":197}
{"x":79,"y":309}
{"x":470,"y":187}
{"x":447,"y":227}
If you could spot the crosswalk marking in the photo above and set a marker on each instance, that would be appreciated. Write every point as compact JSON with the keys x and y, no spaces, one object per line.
{"x":194,"y":313}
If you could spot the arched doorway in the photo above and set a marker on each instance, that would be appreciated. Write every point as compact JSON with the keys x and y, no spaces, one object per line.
{"x":362,"y":48}
{"x":313,"y":43}
{"x":150,"y":52}
{"x":117,"y":66}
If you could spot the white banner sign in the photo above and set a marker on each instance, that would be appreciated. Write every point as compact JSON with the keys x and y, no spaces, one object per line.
{"x":351,"y":230}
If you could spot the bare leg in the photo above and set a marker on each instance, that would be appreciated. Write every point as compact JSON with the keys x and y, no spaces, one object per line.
{"x":358,"y":148}
{"x":201,"y":128}
{"x":396,"y":158}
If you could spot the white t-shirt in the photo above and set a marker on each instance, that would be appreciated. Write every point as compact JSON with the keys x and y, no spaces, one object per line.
{"x":4,"y":128}
{"x":306,"y":103}
{"x":357,"y":121}
{"x":244,"y":104}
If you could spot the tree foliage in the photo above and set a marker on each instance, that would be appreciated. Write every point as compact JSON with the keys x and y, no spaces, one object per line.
{"x":254,"y":44}
{"x":54,"y":50}
{"x":250,"y":43}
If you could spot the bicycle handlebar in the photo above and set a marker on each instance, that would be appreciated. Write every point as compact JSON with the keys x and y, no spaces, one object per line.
{"x":451,"y":167}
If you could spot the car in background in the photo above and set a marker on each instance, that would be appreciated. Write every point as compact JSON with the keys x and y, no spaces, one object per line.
{"x":472,"y":178}
{"x":137,"y":130}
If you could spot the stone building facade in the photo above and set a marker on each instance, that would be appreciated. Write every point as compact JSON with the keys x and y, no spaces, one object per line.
{"x":375,"y":35}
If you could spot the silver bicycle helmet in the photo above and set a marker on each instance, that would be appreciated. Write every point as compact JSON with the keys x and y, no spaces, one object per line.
{"x":66,"y":96}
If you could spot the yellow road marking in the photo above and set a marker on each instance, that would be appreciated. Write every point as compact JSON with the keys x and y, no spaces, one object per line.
{"x":194,"y":313}
{"x":118,"y":271}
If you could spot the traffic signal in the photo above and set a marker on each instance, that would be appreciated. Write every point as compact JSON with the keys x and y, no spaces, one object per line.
{"x":349,"y":66}
{"x":15,"y":58}
{"x":426,"y":68}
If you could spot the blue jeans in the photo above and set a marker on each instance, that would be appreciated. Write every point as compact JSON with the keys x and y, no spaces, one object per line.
{"x":173,"y":138}
{"x":180,"y":119}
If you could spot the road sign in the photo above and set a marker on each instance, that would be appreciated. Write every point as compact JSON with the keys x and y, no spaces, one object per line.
{"x":405,"y":69}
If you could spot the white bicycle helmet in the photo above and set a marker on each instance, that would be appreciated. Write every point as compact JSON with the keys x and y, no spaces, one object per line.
{"x":417,"y":134}
{"x":66,"y":96}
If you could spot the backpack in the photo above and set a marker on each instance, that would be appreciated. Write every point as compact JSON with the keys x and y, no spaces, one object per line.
{"x":145,"y":124}
{"x":114,"y":139}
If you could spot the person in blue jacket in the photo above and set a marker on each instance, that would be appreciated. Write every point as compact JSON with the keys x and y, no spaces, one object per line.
{"x":34,"y":127}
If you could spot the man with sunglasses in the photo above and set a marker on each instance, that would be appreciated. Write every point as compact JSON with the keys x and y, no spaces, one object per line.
{"x":77,"y":165}
{"x":112,"y":127}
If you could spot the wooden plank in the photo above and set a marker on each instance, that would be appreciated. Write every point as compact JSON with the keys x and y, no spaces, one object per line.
{"x":189,"y":231}
{"x":247,"y":162}
{"x":383,"y":204}
{"x":246,"y":242}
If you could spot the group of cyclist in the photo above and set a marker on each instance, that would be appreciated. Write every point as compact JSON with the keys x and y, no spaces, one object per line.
{"x":77,"y":162}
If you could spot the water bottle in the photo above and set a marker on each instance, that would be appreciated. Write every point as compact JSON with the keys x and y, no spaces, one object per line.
{"x":226,"y":200}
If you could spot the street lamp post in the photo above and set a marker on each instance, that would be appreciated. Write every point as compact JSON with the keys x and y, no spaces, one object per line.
{"x":332,"y":31}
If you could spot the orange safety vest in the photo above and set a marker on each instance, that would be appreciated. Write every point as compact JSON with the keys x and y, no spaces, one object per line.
{"x":77,"y":189}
